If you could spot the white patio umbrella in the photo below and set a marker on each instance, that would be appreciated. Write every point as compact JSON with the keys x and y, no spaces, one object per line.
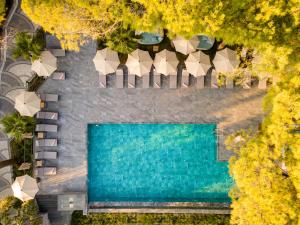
{"x":106,"y":61}
{"x":166,"y":62}
{"x":197,"y":64}
{"x":139,"y":62}
{"x":27,"y":103}
{"x":185,"y":46}
{"x":25,"y":188}
{"x":45,"y":65}
{"x":226,"y":60}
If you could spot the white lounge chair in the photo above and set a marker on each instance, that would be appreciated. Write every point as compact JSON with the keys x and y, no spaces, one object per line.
{"x":200,"y":82}
{"x":214,"y":79}
{"x":45,"y":171}
{"x":156,"y":79}
{"x":46,"y":142}
{"x":119,"y":78}
{"x":229,"y":82}
{"x":173,"y":81}
{"x":185,"y":79}
{"x":47,"y":115}
{"x":247,"y":80}
{"x":49,"y":97}
{"x":58,"y":52}
{"x":45,"y":155}
{"x":131,"y":81}
{"x":146,"y":80}
{"x":102,"y":80}
{"x":46,"y":127}
{"x":58,"y":76}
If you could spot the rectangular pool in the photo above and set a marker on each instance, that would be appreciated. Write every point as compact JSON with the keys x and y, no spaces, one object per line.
{"x":155,"y":163}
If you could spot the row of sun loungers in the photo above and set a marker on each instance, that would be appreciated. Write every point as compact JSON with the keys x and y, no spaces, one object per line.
{"x":42,"y":143}
{"x":185,"y":80}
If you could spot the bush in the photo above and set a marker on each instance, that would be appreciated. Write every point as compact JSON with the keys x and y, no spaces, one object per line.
{"x":13,"y":211}
{"x":122,"y":40}
{"x":143,"y":219}
{"x":29,"y":46}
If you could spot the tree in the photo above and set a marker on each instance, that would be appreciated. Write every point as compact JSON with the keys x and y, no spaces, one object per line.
{"x":74,"y":22}
{"x":122,"y":40}
{"x":17,"y":125}
{"x":266,"y":168}
{"x":28,"y":46}
{"x":13,"y":211}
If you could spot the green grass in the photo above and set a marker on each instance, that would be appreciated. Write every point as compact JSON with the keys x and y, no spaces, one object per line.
{"x":148,"y":219}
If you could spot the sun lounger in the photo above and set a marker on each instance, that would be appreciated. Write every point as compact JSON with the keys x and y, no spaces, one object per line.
{"x":58,"y":52}
{"x":45,"y":171}
{"x":173,"y":81}
{"x":262,"y":83}
{"x":45,"y":155}
{"x":229,"y":82}
{"x":58,"y":76}
{"x":46,"y":127}
{"x":102,"y":81}
{"x":119,"y":78}
{"x":49,"y":97}
{"x":47,"y":115}
{"x":185,"y":79}
{"x":200,"y":82}
{"x":131,"y":81}
{"x":247,"y":80}
{"x":214,"y":79}
{"x":46,"y":142}
{"x":146,"y":80}
{"x":156,"y":79}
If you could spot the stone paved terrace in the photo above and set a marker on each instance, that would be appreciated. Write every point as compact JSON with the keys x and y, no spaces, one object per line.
{"x":82,"y":102}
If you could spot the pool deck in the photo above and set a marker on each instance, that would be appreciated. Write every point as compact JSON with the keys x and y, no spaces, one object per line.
{"x":82,"y":102}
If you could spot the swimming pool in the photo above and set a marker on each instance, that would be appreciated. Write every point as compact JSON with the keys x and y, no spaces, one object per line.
{"x":155,"y":163}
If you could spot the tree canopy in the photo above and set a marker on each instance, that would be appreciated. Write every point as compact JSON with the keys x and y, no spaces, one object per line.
{"x":267,"y":167}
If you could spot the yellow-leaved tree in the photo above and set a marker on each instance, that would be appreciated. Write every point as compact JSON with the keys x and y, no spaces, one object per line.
{"x":74,"y":21}
{"x":266,"y":169}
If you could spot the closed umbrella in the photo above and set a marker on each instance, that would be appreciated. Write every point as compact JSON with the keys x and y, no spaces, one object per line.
{"x":25,"y":188}
{"x":197,"y":64}
{"x":27,"y":103}
{"x":166,"y":62}
{"x":139,"y":62}
{"x":226,"y":60}
{"x":45,"y":65}
{"x":106,"y":61}
{"x":185,"y":46}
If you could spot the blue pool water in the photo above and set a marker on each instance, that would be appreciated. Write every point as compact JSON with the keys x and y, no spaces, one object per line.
{"x":155,"y":162}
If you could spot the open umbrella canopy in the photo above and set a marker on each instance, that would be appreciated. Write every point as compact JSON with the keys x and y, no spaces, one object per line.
{"x":185,"y":46}
{"x":197,"y":64}
{"x":25,"y":188}
{"x":27,"y":103}
{"x":139,"y":62}
{"x":106,"y":61}
{"x":45,"y":65}
{"x":226,"y":60}
{"x":166,"y":62}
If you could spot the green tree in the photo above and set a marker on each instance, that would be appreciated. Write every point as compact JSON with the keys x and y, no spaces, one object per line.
{"x":16,"y":125}
{"x":266,"y":168}
{"x":28,"y":46}
{"x":122,"y":40}
{"x":2,"y":10}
